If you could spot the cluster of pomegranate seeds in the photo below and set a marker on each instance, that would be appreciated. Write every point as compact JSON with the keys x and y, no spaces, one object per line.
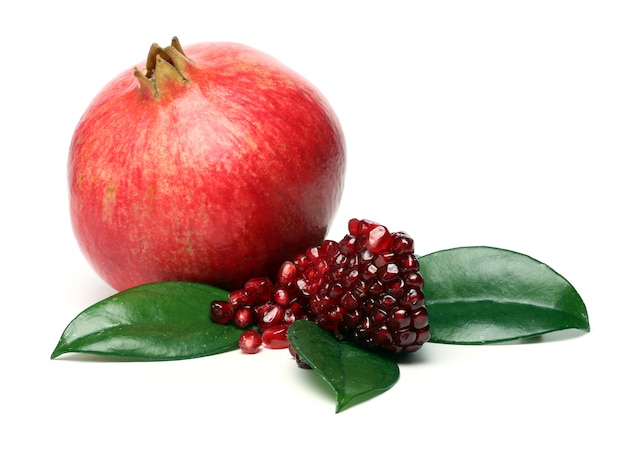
{"x":366,"y":288}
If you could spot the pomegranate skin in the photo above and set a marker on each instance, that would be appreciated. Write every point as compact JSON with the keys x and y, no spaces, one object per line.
{"x":229,"y":165}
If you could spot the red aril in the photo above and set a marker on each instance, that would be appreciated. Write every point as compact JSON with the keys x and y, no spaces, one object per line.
{"x":276,"y":337}
{"x":213,"y":164}
{"x":221,"y":311}
{"x":250,"y":341}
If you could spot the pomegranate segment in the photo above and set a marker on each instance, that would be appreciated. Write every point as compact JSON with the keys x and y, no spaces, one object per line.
{"x":366,"y":288}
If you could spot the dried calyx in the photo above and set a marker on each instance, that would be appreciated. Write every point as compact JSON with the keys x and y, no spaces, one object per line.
{"x":163,"y":66}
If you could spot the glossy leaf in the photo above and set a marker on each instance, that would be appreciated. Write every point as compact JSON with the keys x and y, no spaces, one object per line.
{"x":353,"y":373}
{"x":159,"y":321}
{"x":478,"y":295}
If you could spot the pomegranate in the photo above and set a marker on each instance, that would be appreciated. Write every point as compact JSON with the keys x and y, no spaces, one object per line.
{"x":214,"y":164}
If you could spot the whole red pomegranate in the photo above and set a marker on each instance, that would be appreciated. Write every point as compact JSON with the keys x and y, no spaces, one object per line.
{"x":214,"y":164}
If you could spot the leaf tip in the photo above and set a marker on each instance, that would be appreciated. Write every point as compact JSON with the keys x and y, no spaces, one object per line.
{"x":61,"y":348}
{"x":586,"y":328}
{"x":342,"y":403}
{"x":58,"y":351}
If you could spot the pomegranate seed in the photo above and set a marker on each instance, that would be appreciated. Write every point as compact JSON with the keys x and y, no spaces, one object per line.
{"x":414,"y":280}
{"x":287,"y":275}
{"x":331,"y":319}
{"x":348,"y":245}
{"x":359,"y":289}
{"x":402,"y":244}
{"x":382,"y":336}
{"x":301,"y":262}
{"x":244,"y":317}
{"x":221,"y":311}
{"x":349,"y":301}
{"x":367,"y":255}
{"x":387,"y":302}
{"x":329,"y":250}
{"x":376,"y":287}
{"x":281,"y":297}
{"x":378,"y":317}
{"x":409,"y":263}
{"x":275,"y":337}
{"x":289,"y":317}
{"x":259,"y":287}
{"x":340,"y":259}
{"x":396,"y":288}
{"x":383,"y":258}
{"x":378,"y":239}
{"x":354,"y":227}
{"x":272,"y":315}
{"x":259,"y":309}
{"x":400,"y":319}
{"x":423,"y":336}
{"x":405,"y":337}
{"x":352,"y":318}
{"x":420,"y":319}
{"x":365,"y":227}
{"x":240,"y":298}
{"x":389,"y":272}
{"x":369,"y":272}
{"x":250,"y":341}
{"x":413,"y":299}
{"x":297,"y":309}
{"x":351,"y":278}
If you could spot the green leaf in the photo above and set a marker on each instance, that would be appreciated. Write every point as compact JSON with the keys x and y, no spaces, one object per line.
{"x":159,"y":321}
{"x":478,"y":295}
{"x":352,"y":372}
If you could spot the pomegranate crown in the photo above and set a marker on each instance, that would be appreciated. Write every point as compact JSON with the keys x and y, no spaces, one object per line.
{"x":163,"y":66}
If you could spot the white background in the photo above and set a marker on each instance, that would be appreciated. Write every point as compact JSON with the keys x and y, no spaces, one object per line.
{"x":467,"y":123}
